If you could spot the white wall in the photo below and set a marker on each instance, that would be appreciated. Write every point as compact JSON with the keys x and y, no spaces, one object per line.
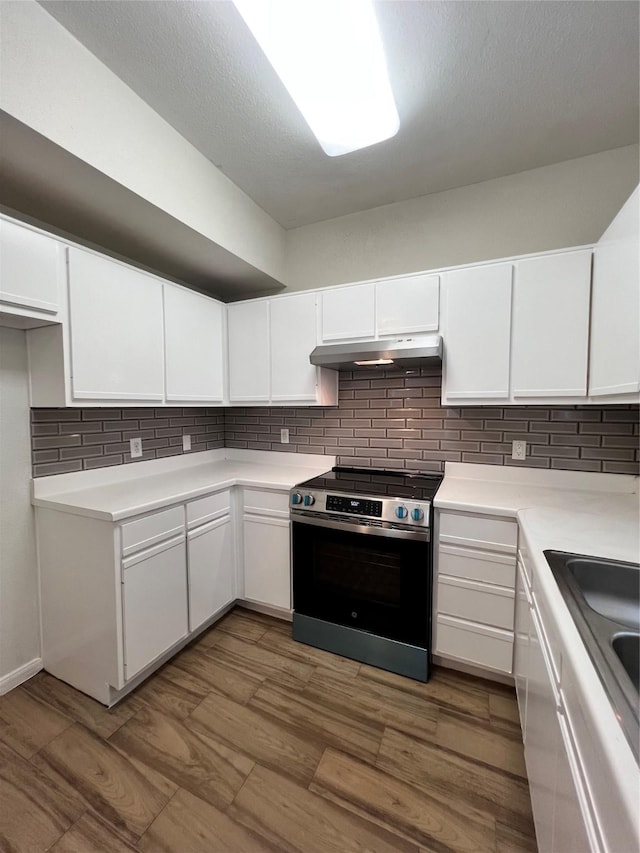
{"x":53,"y":84}
{"x":19,"y":604}
{"x":567,"y":204}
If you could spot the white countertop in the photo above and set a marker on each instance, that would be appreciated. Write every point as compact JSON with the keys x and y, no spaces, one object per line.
{"x":113,"y":494}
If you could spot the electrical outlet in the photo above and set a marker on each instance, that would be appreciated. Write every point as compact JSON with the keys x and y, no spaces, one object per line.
{"x":186,"y":442}
{"x":519,"y":450}
{"x":135,"y":445}
{"x":284,"y":436}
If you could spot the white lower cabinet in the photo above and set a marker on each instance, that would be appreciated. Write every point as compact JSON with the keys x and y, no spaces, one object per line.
{"x":475,"y":589}
{"x":210,"y":555}
{"x":562,"y":813}
{"x":154,"y":602}
{"x":119,"y":598}
{"x":266,"y":541}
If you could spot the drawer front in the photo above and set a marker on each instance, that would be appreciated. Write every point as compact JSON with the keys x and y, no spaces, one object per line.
{"x":146,"y":531}
{"x":266,"y":503}
{"x":474,"y":601}
{"x":476,"y":565}
{"x":484,"y":647}
{"x":500,"y":534}
{"x":207,"y":509}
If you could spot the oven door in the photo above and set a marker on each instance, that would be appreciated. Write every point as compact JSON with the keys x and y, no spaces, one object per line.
{"x":372,"y":578}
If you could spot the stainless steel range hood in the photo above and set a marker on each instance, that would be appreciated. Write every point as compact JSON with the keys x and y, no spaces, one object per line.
{"x":402,"y":352}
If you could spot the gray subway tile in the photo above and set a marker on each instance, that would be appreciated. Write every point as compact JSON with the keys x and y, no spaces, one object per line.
{"x":49,"y":468}
{"x":101,"y":462}
{"x":80,"y":452}
{"x":40,"y":415}
{"x":44,"y":442}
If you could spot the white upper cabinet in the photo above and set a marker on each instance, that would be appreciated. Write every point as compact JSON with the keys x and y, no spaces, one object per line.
{"x":293,"y":337}
{"x":270,"y":341}
{"x":407,"y":305}
{"x":615,"y":329}
{"x":550,"y":333}
{"x":116,"y":330}
{"x":348,"y":313}
{"x":194,"y":346}
{"x":249,"y":371}
{"x":31,"y":271}
{"x":477,"y":333}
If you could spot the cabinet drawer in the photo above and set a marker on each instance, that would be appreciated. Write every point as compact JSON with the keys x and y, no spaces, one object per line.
{"x":151,"y":529}
{"x":493,"y":606}
{"x":477,"y":565}
{"x":476,"y":644}
{"x":498,"y":534}
{"x":207,"y":509}
{"x":266,"y":503}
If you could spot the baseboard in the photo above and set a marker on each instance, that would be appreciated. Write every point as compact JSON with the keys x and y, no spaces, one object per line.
{"x":468,"y":669}
{"x":18,"y":676}
{"x":267,"y":609}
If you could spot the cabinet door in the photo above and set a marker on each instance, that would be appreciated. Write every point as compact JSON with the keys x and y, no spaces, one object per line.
{"x":116,"y":330}
{"x":543,"y":738}
{"x":211,"y":570}
{"x":154,"y":603}
{"x":614,"y":366}
{"x":407,"y":305}
{"x":267,"y":574}
{"x":348,"y":313}
{"x":573,"y":830}
{"x":521,"y":645}
{"x":477,"y":333}
{"x":248,"y":329}
{"x":293,"y":337}
{"x":550,"y":335}
{"x":29,"y":268}
{"x":194,"y":345}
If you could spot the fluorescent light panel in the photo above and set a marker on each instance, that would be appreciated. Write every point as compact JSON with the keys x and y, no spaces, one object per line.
{"x":329,"y":55}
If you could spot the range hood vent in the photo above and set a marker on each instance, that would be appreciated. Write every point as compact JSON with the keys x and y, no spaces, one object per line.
{"x":424,"y":351}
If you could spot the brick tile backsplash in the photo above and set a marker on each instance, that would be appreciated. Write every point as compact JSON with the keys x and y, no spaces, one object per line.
{"x":393,"y":419}
{"x":64,"y":440}
{"x":384,"y":419}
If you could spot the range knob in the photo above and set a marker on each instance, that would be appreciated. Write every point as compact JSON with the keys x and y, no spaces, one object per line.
{"x":417,"y":514}
{"x":296,"y":498}
{"x":309,"y":500}
{"x":401,"y":512}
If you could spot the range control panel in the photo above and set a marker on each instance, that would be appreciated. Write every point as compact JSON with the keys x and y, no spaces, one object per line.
{"x":396,"y":510}
{"x":356,"y":506}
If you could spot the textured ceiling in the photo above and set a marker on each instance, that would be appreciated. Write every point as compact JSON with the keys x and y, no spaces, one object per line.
{"x":483,"y":89}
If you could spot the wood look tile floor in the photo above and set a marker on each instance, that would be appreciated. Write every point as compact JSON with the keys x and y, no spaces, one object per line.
{"x":247,"y":741}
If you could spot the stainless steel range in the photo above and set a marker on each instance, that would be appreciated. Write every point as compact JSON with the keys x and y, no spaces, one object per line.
{"x":362,"y":566}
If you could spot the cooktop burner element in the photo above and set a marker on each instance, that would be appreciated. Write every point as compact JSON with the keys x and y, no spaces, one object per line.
{"x":369,"y":481}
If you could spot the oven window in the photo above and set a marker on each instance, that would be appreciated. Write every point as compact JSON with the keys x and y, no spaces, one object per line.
{"x":345,"y":568}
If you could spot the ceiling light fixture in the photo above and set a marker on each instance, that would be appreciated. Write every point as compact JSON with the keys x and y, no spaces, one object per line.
{"x":329,"y":55}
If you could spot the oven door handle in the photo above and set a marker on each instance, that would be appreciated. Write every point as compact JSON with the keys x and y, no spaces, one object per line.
{"x":421,"y":535}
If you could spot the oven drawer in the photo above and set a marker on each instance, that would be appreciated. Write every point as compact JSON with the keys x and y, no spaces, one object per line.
{"x":477,"y":565}
{"x":490,"y":605}
{"x":476,"y":644}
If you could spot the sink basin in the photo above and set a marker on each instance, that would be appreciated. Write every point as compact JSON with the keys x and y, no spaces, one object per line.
{"x":603,"y":597}
{"x":627,"y":647}
{"x":611,"y":589}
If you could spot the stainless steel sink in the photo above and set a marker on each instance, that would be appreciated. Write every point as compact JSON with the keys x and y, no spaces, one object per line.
{"x":603,"y":597}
